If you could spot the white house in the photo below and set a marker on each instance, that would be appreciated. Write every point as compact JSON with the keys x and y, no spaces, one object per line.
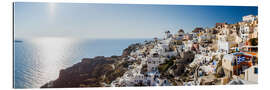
{"x":167,"y":35}
{"x":227,"y":64}
{"x":153,"y":63}
{"x":223,"y":46}
{"x":187,"y":45}
{"x":255,"y":33}
{"x":244,"y":32}
{"x":251,"y":74}
{"x":160,"y":49}
{"x":249,"y":18}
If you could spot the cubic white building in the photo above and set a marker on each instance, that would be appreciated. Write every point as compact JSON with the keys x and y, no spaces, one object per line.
{"x":244,"y":32}
{"x":251,"y":74}
{"x":249,"y":18}
{"x":223,"y":46}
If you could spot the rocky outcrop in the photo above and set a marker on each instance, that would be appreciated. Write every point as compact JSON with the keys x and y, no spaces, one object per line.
{"x":89,"y":72}
{"x":93,"y":72}
{"x":130,"y":48}
{"x":179,"y":72}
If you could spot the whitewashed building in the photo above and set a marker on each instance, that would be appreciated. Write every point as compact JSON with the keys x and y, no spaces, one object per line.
{"x":153,"y":63}
{"x":228,"y":62}
{"x":251,"y":74}
{"x":223,"y":46}
{"x":255,"y":33}
{"x":249,"y":18}
{"x":167,"y":35}
{"x":244,"y":32}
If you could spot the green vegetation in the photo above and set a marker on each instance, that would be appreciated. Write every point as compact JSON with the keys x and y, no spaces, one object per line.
{"x":127,"y":63}
{"x":165,"y":66}
{"x":254,"y":41}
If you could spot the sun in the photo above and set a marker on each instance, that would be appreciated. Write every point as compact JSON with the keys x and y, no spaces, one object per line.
{"x":51,"y":8}
{"x":51,"y":11}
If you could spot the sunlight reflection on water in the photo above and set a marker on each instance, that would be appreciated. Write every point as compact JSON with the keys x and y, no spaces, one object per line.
{"x":38,"y":61}
{"x":46,"y":57}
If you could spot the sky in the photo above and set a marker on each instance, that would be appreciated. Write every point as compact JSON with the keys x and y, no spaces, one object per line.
{"x":89,"y":20}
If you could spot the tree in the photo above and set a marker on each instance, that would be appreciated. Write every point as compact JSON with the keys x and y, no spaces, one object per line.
{"x":254,"y":41}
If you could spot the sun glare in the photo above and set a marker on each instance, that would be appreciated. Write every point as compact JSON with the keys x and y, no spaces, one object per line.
{"x":51,"y":7}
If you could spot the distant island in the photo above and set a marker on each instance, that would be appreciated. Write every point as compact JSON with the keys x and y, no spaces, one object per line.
{"x":223,"y":55}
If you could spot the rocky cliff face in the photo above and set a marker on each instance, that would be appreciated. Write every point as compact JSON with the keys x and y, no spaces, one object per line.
{"x":130,"y":48}
{"x":93,"y":72}
{"x":179,"y":70}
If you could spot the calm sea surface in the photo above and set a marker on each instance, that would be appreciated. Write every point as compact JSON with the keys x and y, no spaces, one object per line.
{"x":38,"y":61}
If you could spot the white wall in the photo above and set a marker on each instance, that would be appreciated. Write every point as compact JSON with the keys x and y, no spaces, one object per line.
{"x":250,"y":75}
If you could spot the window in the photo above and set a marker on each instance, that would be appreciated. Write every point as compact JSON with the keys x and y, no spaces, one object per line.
{"x":256,"y":70}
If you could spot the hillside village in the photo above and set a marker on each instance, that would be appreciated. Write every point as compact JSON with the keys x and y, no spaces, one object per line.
{"x":226,"y":54}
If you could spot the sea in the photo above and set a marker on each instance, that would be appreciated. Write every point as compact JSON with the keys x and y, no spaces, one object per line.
{"x":39,"y":60}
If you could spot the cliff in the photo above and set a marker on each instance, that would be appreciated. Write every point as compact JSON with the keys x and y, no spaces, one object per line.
{"x":93,"y":72}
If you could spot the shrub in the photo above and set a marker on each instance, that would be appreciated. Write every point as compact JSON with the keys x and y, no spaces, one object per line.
{"x":254,"y":41}
{"x":164,"y":67}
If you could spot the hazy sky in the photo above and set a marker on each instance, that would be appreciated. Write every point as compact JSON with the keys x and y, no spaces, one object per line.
{"x":117,"y":21}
